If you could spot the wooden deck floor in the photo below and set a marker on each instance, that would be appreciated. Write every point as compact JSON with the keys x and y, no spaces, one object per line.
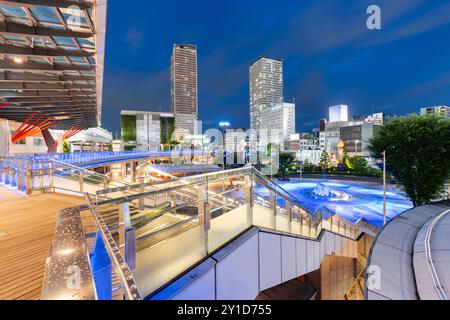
{"x":27,"y":226}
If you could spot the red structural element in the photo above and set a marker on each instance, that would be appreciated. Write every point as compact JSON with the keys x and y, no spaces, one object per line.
{"x":33,"y":126}
{"x":4,"y":105}
{"x":70,"y":133}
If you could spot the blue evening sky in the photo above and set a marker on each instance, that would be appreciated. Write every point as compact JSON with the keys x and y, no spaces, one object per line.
{"x":330,"y":57}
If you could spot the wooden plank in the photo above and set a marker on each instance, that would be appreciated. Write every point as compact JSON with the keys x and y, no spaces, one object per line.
{"x":26,"y":233}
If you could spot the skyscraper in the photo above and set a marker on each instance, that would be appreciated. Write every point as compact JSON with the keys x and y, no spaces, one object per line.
{"x":266,"y":88}
{"x":184,"y":88}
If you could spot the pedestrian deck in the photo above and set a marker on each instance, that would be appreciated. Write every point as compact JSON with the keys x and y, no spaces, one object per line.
{"x":27,"y":226}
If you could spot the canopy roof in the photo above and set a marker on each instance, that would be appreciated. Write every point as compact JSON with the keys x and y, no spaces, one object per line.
{"x":51,"y":60}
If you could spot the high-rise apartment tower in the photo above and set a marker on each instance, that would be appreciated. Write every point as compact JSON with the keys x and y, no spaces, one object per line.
{"x":266,"y":88}
{"x":184,"y":88}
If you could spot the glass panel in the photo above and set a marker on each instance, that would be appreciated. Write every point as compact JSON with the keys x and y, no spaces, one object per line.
{"x":44,"y":14}
{"x":282,"y":223}
{"x":77,"y":59}
{"x":263,"y":217}
{"x":74,"y":18}
{"x":86,"y":43}
{"x":9,"y":37}
{"x":164,"y":261}
{"x":53,"y":25}
{"x":13,"y":11}
{"x":227,"y":226}
{"x":296,"y":227}
{"x":64,"y":41}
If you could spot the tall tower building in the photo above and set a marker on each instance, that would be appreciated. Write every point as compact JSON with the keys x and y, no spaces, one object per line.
{"x":184,"y":88}
{"x":266,"y":88}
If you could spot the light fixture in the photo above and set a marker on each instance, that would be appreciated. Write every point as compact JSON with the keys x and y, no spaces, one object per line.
{"x":18,"y":60}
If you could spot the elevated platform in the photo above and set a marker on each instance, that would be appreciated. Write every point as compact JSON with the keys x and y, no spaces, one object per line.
{"x":409,"y":259}
{"x":26,"y":232}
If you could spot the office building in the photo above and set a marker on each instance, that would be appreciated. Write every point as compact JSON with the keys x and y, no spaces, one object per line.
{"x":266,"y":88}
{"x":146,"y":130}
{"x":302,"y":141}
{"x":338,"y":113}
{"x":279,"y":121}
{"x":184,"y":89}
{"x":235,"y":139}
{"x":356,"y":138}
{"x":444,"y":110}
{"x":376,"y":118}
{"x":311,"y":156}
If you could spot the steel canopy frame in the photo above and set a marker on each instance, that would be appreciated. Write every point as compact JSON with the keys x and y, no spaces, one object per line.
{"x":39,"y":72}
{"x":32,"y":126}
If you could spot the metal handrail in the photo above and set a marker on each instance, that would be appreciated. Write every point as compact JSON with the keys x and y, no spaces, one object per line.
{"x":63,"y":164}
{"x":148,"y":184}
{"x":289,"y":197}
{"x":147,"y":235}
{"x":123,"y":271}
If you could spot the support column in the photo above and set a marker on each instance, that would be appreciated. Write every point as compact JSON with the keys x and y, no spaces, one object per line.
{"x":52,"y":145}
{"x":288,"y":208}
{"x":249,"y":198}
{"x":124,"y":224}
{"x":28,"y":178}
{"x":133,"y":171}
{"x":123,"y":170}
{"x":273,"y":208}
{"x":204,"y":216}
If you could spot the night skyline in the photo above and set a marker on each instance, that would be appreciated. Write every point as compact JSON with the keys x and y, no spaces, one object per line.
{"x":329,"y":55}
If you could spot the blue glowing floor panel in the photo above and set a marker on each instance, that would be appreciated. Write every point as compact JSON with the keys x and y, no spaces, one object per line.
{"x":350,"y":200}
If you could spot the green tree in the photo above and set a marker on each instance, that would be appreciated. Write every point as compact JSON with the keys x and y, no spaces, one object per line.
{"x":66,"y":147}
{"x":325,"y":161}
{"x":309,"y":167}
{"x":417,"y":154}
{"x":359,"y":165}
{"x":286,"y":159}
{"x":271,"y":148}
{"x":356,"y":164}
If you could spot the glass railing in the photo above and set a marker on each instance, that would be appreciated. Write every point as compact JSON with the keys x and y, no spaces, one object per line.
{"x":42,"y":175}
{"x":164,"y":228}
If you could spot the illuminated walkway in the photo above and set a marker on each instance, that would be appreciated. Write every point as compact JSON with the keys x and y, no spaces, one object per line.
{"x":26,"y":232}
{"x":409,"y":259}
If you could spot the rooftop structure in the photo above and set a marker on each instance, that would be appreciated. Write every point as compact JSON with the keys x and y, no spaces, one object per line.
{"x":338,"y":113}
